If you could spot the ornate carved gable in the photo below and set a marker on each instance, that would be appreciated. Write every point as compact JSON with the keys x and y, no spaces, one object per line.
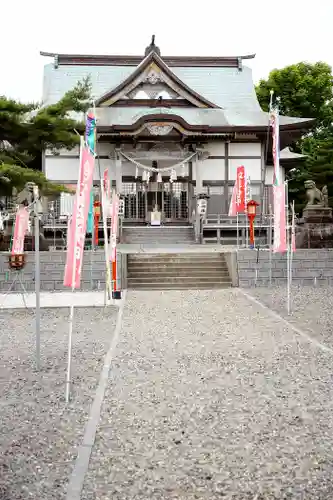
{"x":150,"y":80}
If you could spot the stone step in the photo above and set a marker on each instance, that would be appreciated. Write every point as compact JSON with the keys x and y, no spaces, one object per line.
{"x":159,"y":235}
{"x":178,"y":279}
{"x":179,"y":286}
{"x":177,"y":271}
{"x":167,"y":230}
{"x":171,"y":241}
{"x":212,"y":256}
{"x":177,"y":266}
{"x":188,"y":273}
{"x":187,"y":262}
{"x":158,"y":231}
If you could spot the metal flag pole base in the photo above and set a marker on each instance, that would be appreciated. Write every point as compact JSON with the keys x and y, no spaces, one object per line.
{"x":17,"y":278}
{"x":69,"y":359}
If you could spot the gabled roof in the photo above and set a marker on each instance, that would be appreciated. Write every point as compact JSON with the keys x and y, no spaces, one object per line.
{"x":152,"y":67}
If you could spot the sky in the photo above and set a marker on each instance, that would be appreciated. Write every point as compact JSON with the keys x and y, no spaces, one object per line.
{"x":279,"y":33}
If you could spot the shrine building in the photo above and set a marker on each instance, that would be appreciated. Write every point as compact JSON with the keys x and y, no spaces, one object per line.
{"x":171,"y":128}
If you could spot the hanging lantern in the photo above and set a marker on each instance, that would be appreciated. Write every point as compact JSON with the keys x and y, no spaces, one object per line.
{"x":174,"y":175}
{"x":144,"y":176}
{"x":159,"y":177}
{"x":183,"y":170}
{"x":147,"y":177}
{"x":136,"y":172}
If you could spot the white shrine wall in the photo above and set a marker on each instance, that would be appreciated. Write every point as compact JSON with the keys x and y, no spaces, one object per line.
{"x":242,"y":149}
{"x":252,"y":168}
{"x":210,"y":170}
{"x":215,"y":148}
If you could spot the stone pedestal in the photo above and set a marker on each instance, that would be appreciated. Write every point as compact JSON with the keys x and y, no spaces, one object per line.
{"x":315,"y":230}
{"x":313,"y":214}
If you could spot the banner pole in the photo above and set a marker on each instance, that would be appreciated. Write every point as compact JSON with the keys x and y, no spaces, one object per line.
{"x":270,"y":244}
{"x":292,"y":244}
{"x":237,"y":227}
{"x":108,"y":286}
{"x":37,"y":287}
{"x":288,"y":248}
{"x":71,"y":314}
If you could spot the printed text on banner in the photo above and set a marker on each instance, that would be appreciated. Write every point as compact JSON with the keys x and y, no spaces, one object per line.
{"x":114,"y":227}
{"x":241,"y":185}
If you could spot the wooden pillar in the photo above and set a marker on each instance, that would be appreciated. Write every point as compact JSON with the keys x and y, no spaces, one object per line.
{"x":263,"y":208}
{"x":190,"y":190}
{"x":226,"y":178}
{"x":195,"y":167}
{"x":119,"y":173}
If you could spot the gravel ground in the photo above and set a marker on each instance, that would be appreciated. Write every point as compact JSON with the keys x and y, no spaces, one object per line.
{"x":39,"y":434}
{"x":210,"y":397}
{"x":311,"y":308}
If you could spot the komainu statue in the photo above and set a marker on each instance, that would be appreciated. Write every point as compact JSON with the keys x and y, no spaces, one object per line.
{"x":26,"y":196}
{"x":314,"y":196}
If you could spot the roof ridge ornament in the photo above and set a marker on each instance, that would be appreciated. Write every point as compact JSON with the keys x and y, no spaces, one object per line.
{"x":152,"y":47}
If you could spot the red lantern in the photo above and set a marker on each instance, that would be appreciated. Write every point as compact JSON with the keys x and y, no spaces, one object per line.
{"x":251,"y":214}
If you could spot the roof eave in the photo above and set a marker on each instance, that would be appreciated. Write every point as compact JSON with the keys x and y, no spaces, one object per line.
{"x":131,"y":60}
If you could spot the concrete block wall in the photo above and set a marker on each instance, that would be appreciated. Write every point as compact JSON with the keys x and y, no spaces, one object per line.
{"x":52,"y":266}
{"x":309,"y":267}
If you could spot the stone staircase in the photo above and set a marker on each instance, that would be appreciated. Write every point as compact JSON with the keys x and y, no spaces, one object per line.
{"x":177,"y":271}
{"x":160,"y":235}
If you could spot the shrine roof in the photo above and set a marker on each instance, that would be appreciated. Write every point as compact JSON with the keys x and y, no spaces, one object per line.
{"x":218,"y":118}
{"x":224,"y":86}
{"x":286,"y":154}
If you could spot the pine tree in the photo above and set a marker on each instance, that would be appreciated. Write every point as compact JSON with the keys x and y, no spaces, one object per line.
{"x":26,"y":130}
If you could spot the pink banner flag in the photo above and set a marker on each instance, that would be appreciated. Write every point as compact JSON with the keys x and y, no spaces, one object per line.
{"x":274,"y":120}
{"x":114,"y":227}
{"x":280,"y":236}
{"x":107,"y":193}
{"x":78,"y":223}
{"x":20,"y":230}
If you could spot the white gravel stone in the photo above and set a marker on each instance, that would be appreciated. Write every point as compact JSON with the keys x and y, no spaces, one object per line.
{"x":210,"y":397}
{"x":311,"y":308}
{"x":39,"y":433}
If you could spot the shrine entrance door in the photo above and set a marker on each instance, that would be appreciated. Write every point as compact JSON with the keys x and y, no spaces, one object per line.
{"x":168,"y":198}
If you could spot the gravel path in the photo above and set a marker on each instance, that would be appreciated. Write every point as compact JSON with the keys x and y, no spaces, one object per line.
{"x":210,"y":397}
{"x":312,"y":308}
{"x":39,"y":434}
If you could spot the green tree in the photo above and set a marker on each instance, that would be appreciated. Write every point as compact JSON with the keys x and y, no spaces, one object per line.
{"x":15,"y":176}
{"x":26,"y":130}
{"x":306,"y":91}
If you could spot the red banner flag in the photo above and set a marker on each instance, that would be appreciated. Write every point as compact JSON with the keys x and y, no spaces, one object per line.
{"x":241,"y":187}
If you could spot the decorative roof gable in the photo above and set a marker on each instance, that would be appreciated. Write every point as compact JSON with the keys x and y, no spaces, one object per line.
{"x":153,"y":77}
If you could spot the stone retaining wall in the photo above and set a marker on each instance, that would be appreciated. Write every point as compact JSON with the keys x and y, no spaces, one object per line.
{"x":52,"y":265}
{"x":309,"y":267}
